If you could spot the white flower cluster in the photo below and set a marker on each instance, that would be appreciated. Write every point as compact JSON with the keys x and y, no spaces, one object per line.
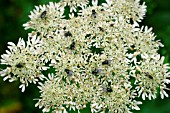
{"x":99,"y":56}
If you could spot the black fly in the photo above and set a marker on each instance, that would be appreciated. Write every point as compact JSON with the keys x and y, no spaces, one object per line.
{"x":72,"y":46}
{"x":96,"y":71}
{"x":148,"y":75}
{"x":67,"y":34}
{"x":94,"y":13}
{"x":111,"y":25}
{"x":43,"y":14}
{"x":69,"y":72}
{"x":20,"y":65}
{"x":109,"y":89}
{"x":106,"y":62}
{"x":131,"y":21}
{"x":101,"y":29}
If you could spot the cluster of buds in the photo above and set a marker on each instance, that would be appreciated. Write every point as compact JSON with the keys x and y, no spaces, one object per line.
{"x":95,"y":54}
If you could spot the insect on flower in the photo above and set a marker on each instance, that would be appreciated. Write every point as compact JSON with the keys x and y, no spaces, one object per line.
{"x":148,"y":75}
{"x":101,"y":29}
{"x":43,"y":14}
{"x":109,"y":83}
{"x":106,"y":62}
{"x":109,"y":89}
{"x":111,"y":25}
{"x":96,"y":71}
{"x":72,"y":46}
{"x":102,"y":10}
{"x":20,"y":65}
{"x":69,"y":72}
{"x":132,"y":47}
{"x":131,"y":21}
{"x":93,"y":13}
{"x":67,"y":34}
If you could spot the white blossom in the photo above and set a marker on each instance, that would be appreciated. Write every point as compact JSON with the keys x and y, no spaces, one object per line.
{"x":90,"y":57}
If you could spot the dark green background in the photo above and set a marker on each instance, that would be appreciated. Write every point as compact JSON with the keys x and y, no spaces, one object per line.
{"x":13,"y":13}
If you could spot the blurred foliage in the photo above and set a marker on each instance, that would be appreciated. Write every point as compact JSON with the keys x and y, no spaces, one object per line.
{"x":14,"y":13}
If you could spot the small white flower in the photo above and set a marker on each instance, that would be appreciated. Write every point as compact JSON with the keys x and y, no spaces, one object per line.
{"x":163,"y":94}
{"x":22,"y":86}
{"x":73,"y":4}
